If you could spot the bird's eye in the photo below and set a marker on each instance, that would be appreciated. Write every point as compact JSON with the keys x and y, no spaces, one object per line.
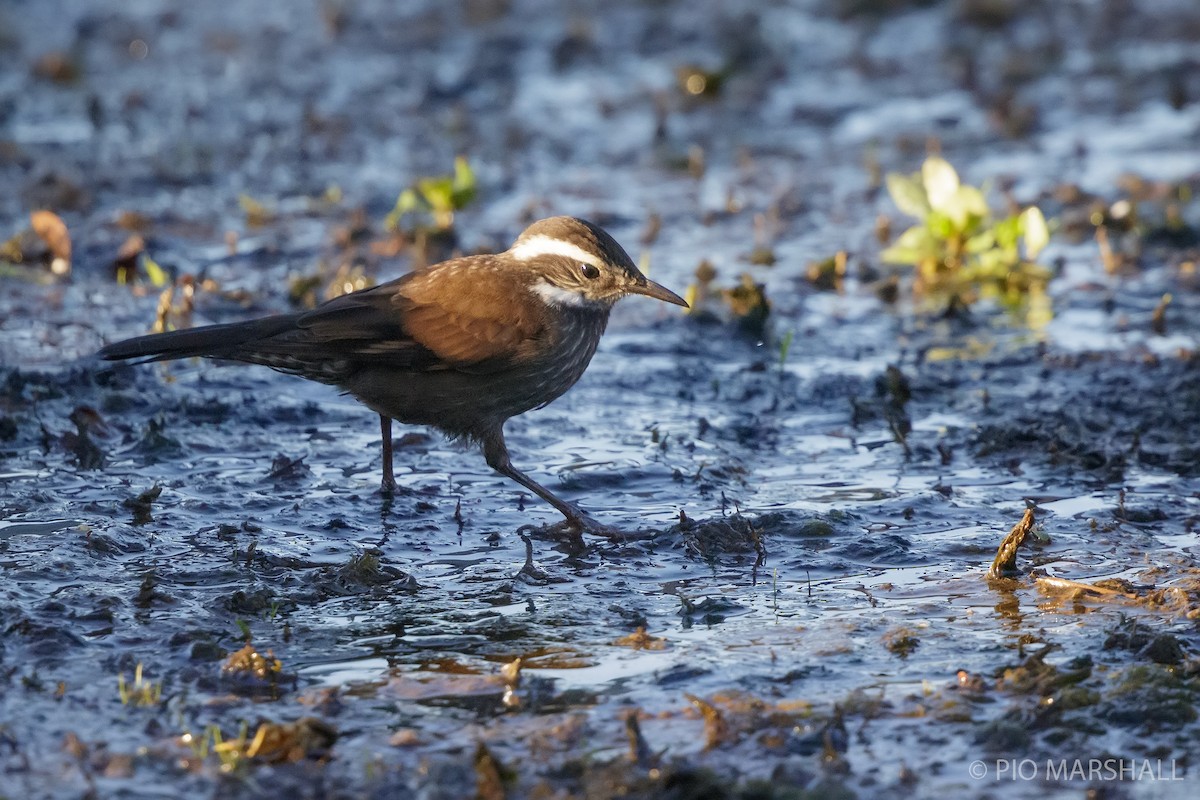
{"x":589,"y":271}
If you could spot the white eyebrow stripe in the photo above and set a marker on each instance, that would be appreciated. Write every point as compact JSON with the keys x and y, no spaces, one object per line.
{"x":542,"y":245}
{"x":558,"y":296}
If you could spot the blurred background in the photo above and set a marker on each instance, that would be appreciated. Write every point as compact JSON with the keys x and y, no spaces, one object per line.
{"x":232,"y":141}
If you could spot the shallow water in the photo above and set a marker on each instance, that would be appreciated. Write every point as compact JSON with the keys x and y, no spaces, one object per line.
{"x":829,"y":585}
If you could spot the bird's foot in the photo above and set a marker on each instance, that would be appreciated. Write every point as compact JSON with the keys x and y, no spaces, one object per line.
{"x":388,"y":487}
{"x":579,"y":523}
{"x":530,"y":571}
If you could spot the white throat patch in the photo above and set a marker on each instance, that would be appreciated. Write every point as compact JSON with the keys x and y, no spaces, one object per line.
{"x":558,"y":296}
{"x":541,"y":245}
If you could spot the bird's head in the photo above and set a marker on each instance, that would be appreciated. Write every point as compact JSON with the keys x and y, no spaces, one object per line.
{"x":577,"y":264}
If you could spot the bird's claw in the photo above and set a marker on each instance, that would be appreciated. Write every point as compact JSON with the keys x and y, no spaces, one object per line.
{"x":574,"y":526}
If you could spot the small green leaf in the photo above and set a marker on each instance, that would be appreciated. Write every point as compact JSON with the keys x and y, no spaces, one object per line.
{"x":408,"y":201}
{"x":438,"y":193}
{"x":785,"y":344}
{"x":912,"y":246}
{"x":908,"y":194}
{"x":940,"y":181}
{"x":464,"y":184}
{"x":967,"y":208}
{"x":992,"y":264}
{"x":960,"y":252}
{"x":980,"y":242}
{"x":942,"y":226}
{"x":1008,"y":233}
{"x":1037,"y":232}
{"x":439,"y":196}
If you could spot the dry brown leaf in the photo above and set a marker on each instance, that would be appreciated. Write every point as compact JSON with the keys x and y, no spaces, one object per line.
{"x":308,"y":737}
{"x":640,"y":640}
{"x":53,"y":231}
{"x":249,"y":660}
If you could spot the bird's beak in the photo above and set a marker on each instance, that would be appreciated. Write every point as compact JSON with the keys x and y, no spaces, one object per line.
{"x":659,"y":292}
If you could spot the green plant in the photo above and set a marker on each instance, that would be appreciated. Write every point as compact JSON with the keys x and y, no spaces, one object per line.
{"x":960,"y":250}
{"x":141,"y":692}
{"x":785,"y":344}
{"x":230,"y":754}
{"x":438,"y":196}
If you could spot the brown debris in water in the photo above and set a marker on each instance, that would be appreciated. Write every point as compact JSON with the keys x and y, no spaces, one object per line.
{"x":450,"y":679}
{"x":1035,"y":677}
{"x":306,"y":738}
{"x":57,"y":66}
{"x":711,"y":538}
{"x":510,"y":673}
{"x":125,"y":263}
{"x":1158,"y":320}
{"x":171,"y":315}
{"x":1076,"y":590}
{"x":53,"y":231}
{"x":829,"y":274}
{"x":717,"y":730}
{"x":651,"y":230}
{"x":1183,"y":599}
{"x":639,"y":750}
{"x":733,"y":718}
{"x":640,"y":640}
{"x":142,"y":505}
{"x":96,"y":760}
{"x":901,"y":641}
{"x":700,"y":292}
{"x":88,"y":454}
{"x":749,"y":304}
{"x":1005,"y":562}
{"x":249,"y":661}
{"x":489,"y":775}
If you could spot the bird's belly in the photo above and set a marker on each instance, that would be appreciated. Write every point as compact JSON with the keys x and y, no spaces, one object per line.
{"x":463,"y":403}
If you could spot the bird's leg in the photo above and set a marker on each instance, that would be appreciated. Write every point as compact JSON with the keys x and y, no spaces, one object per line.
{"x":496,"y":454}
{"x":388,"y":485}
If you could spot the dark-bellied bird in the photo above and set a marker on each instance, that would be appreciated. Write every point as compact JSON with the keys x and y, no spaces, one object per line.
{"x":460,"y":346}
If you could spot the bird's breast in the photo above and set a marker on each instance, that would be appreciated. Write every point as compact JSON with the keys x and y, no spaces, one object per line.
{"x":564,"y":352}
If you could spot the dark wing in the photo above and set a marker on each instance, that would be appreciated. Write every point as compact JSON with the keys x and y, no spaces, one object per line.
{"x":361,"y":328}
{"x":443,"y":317}
{"x":211,"y":341}
{"x":326,"y":344}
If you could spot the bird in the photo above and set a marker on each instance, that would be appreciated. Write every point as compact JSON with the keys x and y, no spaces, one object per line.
{"x":460,"y":346}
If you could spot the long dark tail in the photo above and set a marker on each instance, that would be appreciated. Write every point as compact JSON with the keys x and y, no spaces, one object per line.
{"x":235,"y":340}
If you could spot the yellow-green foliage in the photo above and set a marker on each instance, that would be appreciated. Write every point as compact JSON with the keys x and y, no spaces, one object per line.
{"x":960,"y":251}
{"x":230,"y":753}
{"x":141,"y":692}
{"x":438,"y":196}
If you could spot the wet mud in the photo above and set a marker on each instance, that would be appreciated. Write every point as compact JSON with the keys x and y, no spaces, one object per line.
{"x":204,"y":593}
